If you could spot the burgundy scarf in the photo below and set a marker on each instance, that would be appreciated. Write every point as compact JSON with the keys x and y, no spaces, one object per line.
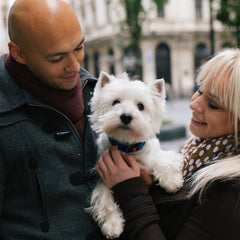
{"x":69,"y":102}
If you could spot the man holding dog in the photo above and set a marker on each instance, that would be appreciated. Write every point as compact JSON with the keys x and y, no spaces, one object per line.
{"x":46,"y":145}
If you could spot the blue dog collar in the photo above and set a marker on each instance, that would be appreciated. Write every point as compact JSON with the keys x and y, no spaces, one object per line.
{"x":127,"y":148}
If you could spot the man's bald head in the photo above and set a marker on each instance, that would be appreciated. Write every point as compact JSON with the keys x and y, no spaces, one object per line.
{"x":33,"y":19}
{"x":46,"y":37}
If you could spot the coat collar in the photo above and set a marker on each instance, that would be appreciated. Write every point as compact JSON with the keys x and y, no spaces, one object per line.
{"x":12,"y":96}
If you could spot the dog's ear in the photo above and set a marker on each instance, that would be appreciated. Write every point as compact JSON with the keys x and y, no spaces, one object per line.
{"x":159,"y":85}
{"x":103,"y":79}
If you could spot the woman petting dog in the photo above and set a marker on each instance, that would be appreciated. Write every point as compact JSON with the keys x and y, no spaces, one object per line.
{"x":208,"y":205}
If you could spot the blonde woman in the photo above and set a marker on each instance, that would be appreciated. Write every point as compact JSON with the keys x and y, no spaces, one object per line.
{"x":208,"y":206}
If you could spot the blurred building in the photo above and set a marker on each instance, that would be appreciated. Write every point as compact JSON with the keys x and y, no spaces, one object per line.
{"x":4,"y":7}
{"x":176,"y":40}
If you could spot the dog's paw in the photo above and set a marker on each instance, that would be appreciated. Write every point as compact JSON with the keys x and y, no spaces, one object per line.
{"x":113,"y":226}
{"x":171,"y":183}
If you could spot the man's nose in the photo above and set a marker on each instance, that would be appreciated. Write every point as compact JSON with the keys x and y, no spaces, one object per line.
{"x":73,"y":63}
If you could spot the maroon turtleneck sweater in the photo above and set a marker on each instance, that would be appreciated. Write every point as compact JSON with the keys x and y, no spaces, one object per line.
{"x":69,"y":102}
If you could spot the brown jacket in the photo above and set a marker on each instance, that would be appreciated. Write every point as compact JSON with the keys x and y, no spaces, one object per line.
{"x":152,"y":214}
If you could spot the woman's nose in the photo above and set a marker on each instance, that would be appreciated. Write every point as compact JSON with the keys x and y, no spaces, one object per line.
{"x":196,"y":103}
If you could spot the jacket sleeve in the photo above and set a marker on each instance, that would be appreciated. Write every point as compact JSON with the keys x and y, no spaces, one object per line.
{"x":138,"y":209}
{"x":217,"y":217}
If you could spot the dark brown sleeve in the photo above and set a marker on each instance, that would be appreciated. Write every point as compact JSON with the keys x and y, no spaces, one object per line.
{"x":138,"y":209}
{"x":217,"y":217}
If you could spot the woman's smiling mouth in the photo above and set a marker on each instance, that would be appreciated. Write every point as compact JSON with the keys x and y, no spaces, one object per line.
{"x":197,"y":121}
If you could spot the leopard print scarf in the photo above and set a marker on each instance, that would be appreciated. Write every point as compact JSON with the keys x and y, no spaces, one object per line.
{"x":198,"y":152}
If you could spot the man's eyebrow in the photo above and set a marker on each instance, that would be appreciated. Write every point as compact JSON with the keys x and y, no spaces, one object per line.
{"x":82,"y":41}
{"x":61,"y":53}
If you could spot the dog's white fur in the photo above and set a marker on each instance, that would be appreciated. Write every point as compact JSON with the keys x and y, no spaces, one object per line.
{"x":112,"y":98}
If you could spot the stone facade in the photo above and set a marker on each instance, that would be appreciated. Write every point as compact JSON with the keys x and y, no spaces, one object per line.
{"x":174,"y":43}
{"x":4,"y":7}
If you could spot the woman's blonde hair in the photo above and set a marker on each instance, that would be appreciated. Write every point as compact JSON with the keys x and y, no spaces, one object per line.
{"x":221,"y":74}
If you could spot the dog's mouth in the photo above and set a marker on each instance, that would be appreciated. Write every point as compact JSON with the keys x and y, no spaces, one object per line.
{"x":125,"y":127}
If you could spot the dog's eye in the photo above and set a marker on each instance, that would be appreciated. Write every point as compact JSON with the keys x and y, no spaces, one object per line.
{"x":140,"y":106}
{"x":115,"y":102}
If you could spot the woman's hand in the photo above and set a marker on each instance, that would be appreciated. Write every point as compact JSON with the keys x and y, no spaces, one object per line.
{"x":148,"y":179}
{"x":114,"y":167}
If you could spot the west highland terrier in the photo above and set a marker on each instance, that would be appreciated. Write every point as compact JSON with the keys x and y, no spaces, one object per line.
{"x":128,"y":113}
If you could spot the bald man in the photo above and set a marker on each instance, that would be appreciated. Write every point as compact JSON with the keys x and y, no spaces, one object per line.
{"x":47,"y":147}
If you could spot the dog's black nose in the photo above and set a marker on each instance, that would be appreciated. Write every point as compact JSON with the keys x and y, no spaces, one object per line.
{"x":126,"y":118}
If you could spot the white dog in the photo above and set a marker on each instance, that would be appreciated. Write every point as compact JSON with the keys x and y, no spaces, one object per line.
{"x":128,"y":113}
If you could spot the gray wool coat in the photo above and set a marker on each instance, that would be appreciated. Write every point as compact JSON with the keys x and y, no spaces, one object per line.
{"x":45,"y":180}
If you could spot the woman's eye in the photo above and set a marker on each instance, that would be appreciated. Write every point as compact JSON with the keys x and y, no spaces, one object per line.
{"x":140,"y":106}
{"x":213,"y":106}
{"x":115,"y":102}
{"x":200,"y":92}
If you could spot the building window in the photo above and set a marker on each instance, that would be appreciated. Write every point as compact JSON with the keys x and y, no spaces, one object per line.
{"x":85,"y":62}
{"x":111,"y":61}
{"x":93,"y":7}
{"x":201,"y":53}
{"x":227,"y":45}
{"x":96,"y":63}
{"x":160,"y":12}
{"x":132,"y":62}
{"x":4,"y":13}
{"x":198,"y":9}
{"x":163,"y":62}
{"x":72,"y":3}
{"x":82,"y":12}
{"x":108,"y":11}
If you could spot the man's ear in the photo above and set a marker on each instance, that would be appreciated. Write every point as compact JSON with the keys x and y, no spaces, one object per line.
{"x":16,"y":52}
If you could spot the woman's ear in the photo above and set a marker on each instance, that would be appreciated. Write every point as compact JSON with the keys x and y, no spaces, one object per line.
{"x":16,"y":52}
